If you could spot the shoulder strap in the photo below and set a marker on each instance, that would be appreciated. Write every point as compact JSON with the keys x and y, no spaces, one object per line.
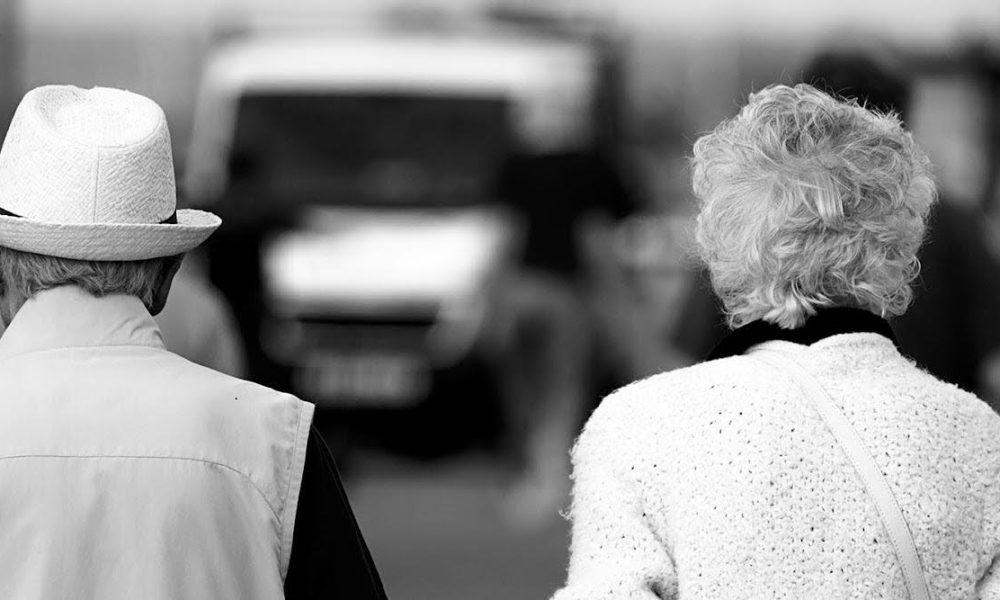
{"x":869,"y":472}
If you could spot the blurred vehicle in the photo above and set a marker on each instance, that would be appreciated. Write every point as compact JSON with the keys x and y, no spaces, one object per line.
{"x":355,"y":175}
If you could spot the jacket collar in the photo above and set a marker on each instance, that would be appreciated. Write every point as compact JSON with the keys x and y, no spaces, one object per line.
{"x":69,"y":317}
{"x":825,"y":323}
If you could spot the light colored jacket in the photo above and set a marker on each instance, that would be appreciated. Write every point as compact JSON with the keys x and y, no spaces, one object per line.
{"x":128,"y":472}
{"x":721,"y":481}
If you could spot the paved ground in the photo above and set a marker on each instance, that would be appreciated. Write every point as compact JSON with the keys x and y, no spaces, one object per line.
{"x":437,"y":532}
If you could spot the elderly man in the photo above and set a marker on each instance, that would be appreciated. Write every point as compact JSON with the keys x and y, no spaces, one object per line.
{"x":125,"y":470}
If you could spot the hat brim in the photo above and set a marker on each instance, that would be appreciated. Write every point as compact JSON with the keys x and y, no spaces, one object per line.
{"x":108,"y":241}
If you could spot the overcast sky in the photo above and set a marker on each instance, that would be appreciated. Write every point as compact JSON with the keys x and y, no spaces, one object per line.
{"x":921,"y":20}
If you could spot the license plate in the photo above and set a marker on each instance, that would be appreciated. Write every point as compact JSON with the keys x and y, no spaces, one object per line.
{"x":363,"y":380}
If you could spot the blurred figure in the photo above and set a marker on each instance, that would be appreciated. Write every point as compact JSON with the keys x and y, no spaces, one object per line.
{"x":953,"y":327}
{"x":728,"y":479}
{"x":198,"y":324}
{"x":645,"y":278}
{"x":563,"y":195}
{"x":127,"y":470}
{"x":637,"y":289}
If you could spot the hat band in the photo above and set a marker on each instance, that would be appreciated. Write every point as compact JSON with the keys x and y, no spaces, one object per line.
{"x":171,"y":220}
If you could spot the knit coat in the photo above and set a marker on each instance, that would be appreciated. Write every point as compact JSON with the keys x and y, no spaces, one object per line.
{"x":720,"y":480}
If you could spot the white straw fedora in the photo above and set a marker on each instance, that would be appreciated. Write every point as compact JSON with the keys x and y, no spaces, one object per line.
{"x":87,"y":174}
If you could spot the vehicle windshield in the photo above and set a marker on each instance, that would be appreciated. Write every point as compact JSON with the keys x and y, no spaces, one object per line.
{"x":369,"y":149}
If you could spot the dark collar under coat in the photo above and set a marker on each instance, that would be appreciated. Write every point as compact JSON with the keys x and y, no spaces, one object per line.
{"x":825,"y":323}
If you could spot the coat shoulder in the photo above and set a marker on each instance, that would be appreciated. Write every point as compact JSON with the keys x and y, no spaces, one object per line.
{"x":688,"y":384}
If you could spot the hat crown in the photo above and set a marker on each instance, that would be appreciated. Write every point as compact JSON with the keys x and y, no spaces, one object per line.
{"x":78,"y":156}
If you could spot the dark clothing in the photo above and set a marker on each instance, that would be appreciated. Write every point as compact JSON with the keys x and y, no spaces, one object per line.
{"x":329,"y":556}
{"x":825,"y":323}
{"x":551,"y":192}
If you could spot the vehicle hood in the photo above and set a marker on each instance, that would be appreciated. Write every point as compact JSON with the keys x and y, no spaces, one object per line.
{"x":347,"y":261}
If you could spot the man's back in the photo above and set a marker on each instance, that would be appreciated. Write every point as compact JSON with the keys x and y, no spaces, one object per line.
{"x":129,"y":472}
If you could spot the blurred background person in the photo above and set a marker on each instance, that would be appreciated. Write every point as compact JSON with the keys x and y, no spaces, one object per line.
{"x":640,"y":282}
{"x":953,"y":327}
{"x":566,"y":196}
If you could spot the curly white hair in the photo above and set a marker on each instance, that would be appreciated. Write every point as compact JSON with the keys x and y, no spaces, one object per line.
{"x":808,"y":201}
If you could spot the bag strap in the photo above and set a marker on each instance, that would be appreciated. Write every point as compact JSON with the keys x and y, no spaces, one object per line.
{"x":864,"y":464}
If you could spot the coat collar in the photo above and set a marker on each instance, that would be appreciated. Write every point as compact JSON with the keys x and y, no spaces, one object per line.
{"x":69,"y":317}
{"x":825,"y":323}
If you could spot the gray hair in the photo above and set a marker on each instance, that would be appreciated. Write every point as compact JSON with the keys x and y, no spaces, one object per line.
{"x":808,"y":201}
{"x":24,"y":274}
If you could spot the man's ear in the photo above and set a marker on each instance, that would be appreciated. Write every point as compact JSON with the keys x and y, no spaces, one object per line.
{"x":171,"y":266}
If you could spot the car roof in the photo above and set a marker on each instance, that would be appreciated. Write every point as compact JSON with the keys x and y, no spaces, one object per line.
{"x":505,"y":64}
{"x":525,"y":69}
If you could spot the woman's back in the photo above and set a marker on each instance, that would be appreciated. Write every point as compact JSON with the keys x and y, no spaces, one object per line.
{"x":723,"y":477}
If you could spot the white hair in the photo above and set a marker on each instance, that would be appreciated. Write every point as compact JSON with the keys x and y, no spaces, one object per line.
{"x":808,"y":201}
{"x":23,"y":274}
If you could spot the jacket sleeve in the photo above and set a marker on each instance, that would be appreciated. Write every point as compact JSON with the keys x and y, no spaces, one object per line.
{"x":329,"y":557}
{"x":614,"y":555}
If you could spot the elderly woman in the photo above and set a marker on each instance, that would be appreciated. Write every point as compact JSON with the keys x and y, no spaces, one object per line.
{"x":736,"y":478}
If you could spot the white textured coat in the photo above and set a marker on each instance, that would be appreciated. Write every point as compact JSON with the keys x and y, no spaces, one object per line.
{"x":721,"y":481}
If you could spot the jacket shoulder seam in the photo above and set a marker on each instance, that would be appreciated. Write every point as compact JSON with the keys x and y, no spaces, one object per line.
{"x":243,"y":475}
